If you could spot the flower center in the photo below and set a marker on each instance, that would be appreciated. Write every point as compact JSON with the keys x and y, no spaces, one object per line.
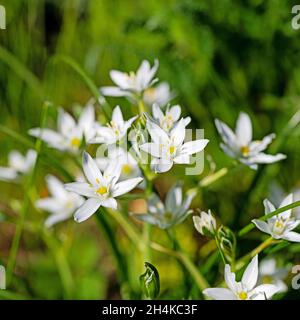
{"x":102,"y":190}
{"x":243,"y":295}
{"x":126,"y":169}
{"x":75,"y":142}
{"x":69,"y":205}
{"x":167,"y":122}
{"x":245,"y":151}
{"x":172,"y":150}
{"x":114,"y":127}
{"x":279,"y":226}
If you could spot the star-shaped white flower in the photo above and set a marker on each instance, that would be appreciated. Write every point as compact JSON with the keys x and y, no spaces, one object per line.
{"x":62,"y":204}
{"x":172,"y":212}
{"x":245,"y":289}
{"x":167,"y":149}
{"x":170,"y":118}
{"x":18,"y":165}
{"x":70,"y":134}
{"x":115,"y":130}
{"x":269,"y":273}
{"x":281,"y":225}
{"x":131,"y":83}
{"x":101,"y":189}
{"x":160,"y":94}
{"x":239,"y":144}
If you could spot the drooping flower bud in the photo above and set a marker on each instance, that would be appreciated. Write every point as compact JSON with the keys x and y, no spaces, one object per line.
{"x":227,"y":242}
{"x":205,"y":223}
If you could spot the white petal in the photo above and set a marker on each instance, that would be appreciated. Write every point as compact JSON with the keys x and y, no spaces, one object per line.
{"x":113,"y":92}
{"x":66,"y":123}
{"x":16,"y":161}
{"x":182,"y":159}
{"x":192,"y":147}
{"x":117,"y":116}
{"x":30,"y":159}
{"x":267,"y":158}
{"x":250,"y":275}
{"x":158,"y":135}
{"x":187,"y":120}
{"x":175,"y":112}
{"x":161,"y":165}
{"x":113,"y":170}
{"x":51,"y":137}
{"x":86,"y":121}
{"x":50,"y":205}
{"x":226,"y":134}
{"x":262,"y":226}
{"x":89,"y":207}
{"x":174,"y":198}
{"x":285,"y":202}
{"x":81,"y":188}
{"x":258,"y":146}
{"x":244,"y":129}
{"x":56,"y":187}
{"x":230,"y":278}
{"x":125,"y":186}
{"x":91,"y":169}
{"x":54,"y":219}
{"x":156,"y":112}
{"x":178,"y":133}
{"x":219,"y":294}
{"x":119,"y":78}
{"x":8,"y":173}
{"x":264,"y":291}
{"x":292,"y":236}
{"x":110,"y":203}
{"x":152,"y":149}
{"x":269,"y":207}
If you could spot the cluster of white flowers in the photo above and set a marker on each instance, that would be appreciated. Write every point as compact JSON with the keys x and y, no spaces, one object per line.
{"x":109,"y":176}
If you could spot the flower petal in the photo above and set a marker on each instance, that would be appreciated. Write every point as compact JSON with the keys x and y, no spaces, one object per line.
{"x":81,"y":188}
{"x":56,"y":187}
{"x":291,"y":236}
{"x":161,"y":165}
{"x":219,"y":294}
{"x":51,"y":137}
{"x":250,"y":275}
{"x":264,"y":291}
{"x":8,"y":173}
{"x":156,"y":112}
{"x":125,"y":186}
{"x":88,"y":208}
{"x":119,"y":78}
{"x":54,"y":219}
{"x":174,"y":198}
{"x":158,"y":135}
{"x":266,"y":158}
{"x":114,"y":92}
{"x":269,"y":207}
{"x":229,"y":278}
{"x":286,"y":201}
{"x":91,"y":170}
{"x":175,"y":112}
{"x":192,"y":147}
{"x":244,"y":129}
{"x":151,"y":148}
{"x":262,"y":226}
{"x":226,"y":134}
{"x":66,"y":123}
{"x":110,"y":203}
{"x":178,"y":133}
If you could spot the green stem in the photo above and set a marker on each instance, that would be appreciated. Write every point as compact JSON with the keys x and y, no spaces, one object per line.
{"x":251,"y":225}
{"x":210,"y":179}
{"x":220,"y":250}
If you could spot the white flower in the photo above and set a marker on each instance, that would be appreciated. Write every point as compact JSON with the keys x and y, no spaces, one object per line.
{"x":205,"y":223}
{"x":281,"y":225}
{"x":70,"y":134}
{"x":270,"y":274}
{"x":129,"y":166}
{"x":169,"y":149}
{"x":101,"y":190}
{"x":170,"y":213}
{"x":18,"y":164}
{"x":2,"y":278}
{"x":131,"y":83}
{"x":168,"y":120}
{"x":115,"y":130}
{"x":245,"y":289}
{"x":161,"y":94}
{"x":61,"y":204}
{"x":239,"y":145}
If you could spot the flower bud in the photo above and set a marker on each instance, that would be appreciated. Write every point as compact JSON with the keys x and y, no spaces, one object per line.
{"x":227,"y":242}
{"x":205,"y":223}
{"x":150,"y":281}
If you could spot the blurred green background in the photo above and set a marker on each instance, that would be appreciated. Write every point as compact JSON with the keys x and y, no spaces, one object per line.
{"x":219,"y":56}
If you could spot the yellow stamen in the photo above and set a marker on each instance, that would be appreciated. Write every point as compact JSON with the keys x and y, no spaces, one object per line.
{"x":245,"y":151}
{"x":102,"y":190}
{"x":126,"y":169}
{"x":75,"y":142}
{"x":243,"y":295}
{"x":172,"y":149}
{"x":97,"y":181}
